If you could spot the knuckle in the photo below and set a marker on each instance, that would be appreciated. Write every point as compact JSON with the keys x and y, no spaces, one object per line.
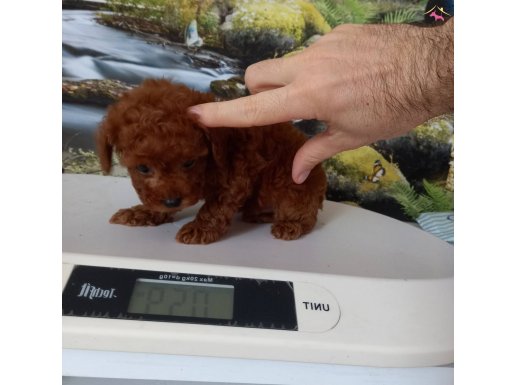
{"x":258,"y":73}
{"x":251,"y":75}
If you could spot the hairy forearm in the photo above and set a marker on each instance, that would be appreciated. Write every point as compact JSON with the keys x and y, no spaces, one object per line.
{"x":424,"y":73}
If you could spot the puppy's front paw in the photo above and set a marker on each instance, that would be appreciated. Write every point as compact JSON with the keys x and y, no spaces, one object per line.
{"x":196,"y":233}
{"x":287,"y":230}
{"x":139,"y":216}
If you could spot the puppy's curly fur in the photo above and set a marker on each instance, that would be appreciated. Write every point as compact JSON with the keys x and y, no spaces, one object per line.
{"x":174,"y":163}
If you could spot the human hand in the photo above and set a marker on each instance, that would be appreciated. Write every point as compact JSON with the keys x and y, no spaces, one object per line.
{"x":366,"y":82}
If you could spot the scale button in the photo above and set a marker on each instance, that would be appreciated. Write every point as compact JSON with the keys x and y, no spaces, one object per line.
{"x":317,"y":309}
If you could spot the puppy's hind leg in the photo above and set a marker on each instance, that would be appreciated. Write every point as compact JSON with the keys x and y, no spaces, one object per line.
{"x":291,"y":221}
{"x":296,"y":208}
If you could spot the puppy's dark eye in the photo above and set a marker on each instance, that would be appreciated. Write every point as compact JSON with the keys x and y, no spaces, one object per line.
{"x":188,"y":164}
{"x":143,"y":169}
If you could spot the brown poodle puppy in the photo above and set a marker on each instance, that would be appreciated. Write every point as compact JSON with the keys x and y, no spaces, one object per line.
{"x":173,"y":163}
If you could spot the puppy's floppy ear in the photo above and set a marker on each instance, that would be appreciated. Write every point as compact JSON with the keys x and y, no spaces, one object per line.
{"x":218,"y":139}
{"x":105,"y":145}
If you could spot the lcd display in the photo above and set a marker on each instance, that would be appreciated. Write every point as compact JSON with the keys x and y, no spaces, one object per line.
{"x":182,"y":299}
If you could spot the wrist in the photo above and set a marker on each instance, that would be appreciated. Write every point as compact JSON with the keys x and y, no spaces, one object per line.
{"x":438,"y":83}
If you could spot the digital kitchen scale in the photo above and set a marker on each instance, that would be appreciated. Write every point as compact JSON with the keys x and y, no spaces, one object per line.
{"x":361,"y":291}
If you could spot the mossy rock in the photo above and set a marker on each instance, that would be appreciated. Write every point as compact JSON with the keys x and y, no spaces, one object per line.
{"x":101,"y":92}
{"x":358,"y":165}
{"x":424,"y":153}
{"x":251,"y":47}
{"x":259,"y":29}
{"x":231,"y":88}
{"x":350,"y":177}
{"x":439,"y":129}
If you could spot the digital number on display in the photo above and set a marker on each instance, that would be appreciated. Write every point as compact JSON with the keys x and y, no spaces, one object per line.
{"x":182,"y":299}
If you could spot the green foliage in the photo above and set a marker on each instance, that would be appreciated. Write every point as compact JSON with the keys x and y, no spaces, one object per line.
{"x":208,"y":22}
{"x":402,"y":16}
{"x":442,"y":200}
{"x":208,"y":25}
{"x":177,"y":14}
{"x":398,"y":12}
{"x":145,"y":9}
{"x":328,"y":10}
{"x":435,"y":199}
{"x":338,"y":12}
{"x":315,"y":22}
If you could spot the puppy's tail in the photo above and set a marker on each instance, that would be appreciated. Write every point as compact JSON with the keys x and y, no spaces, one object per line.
{"x":104,"y":148}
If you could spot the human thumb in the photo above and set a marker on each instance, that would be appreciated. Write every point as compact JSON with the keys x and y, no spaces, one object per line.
{"x":313,"y":152}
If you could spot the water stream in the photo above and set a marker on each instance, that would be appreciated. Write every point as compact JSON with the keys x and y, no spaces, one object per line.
{"x":95,"y":51}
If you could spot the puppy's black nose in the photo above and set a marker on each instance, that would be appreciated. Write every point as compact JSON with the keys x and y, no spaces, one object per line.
{"x":172,"y":202}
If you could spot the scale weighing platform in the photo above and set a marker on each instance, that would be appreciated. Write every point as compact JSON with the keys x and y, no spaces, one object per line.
{"x":363,"y":299}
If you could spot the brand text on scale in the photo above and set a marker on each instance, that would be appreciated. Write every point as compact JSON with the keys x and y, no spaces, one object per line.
{"x":89,"y":291}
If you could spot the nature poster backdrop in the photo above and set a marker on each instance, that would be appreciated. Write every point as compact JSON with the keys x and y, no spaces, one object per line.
{"x":111,"y":46}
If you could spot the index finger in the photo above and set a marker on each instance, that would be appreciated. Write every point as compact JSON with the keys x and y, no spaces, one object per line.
{"x":267,"y":107}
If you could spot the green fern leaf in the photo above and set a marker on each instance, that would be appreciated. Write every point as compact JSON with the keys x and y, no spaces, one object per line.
{"x":442,"y":200}
{"x":337,"y":12}
{"x":401,"y":16}
{"x":424,"y":204}
{"x":406,"y":196}
{"x":328,"y":10}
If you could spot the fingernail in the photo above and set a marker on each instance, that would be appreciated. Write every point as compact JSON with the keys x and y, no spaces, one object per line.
{"x":302,"y":177}
{"x":194,"y":113}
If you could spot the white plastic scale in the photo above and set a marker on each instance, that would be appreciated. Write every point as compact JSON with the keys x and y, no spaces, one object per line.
{"x":360,"y":297}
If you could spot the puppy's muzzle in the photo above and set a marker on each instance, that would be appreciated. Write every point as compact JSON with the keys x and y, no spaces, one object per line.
{"x":172,"y":202}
